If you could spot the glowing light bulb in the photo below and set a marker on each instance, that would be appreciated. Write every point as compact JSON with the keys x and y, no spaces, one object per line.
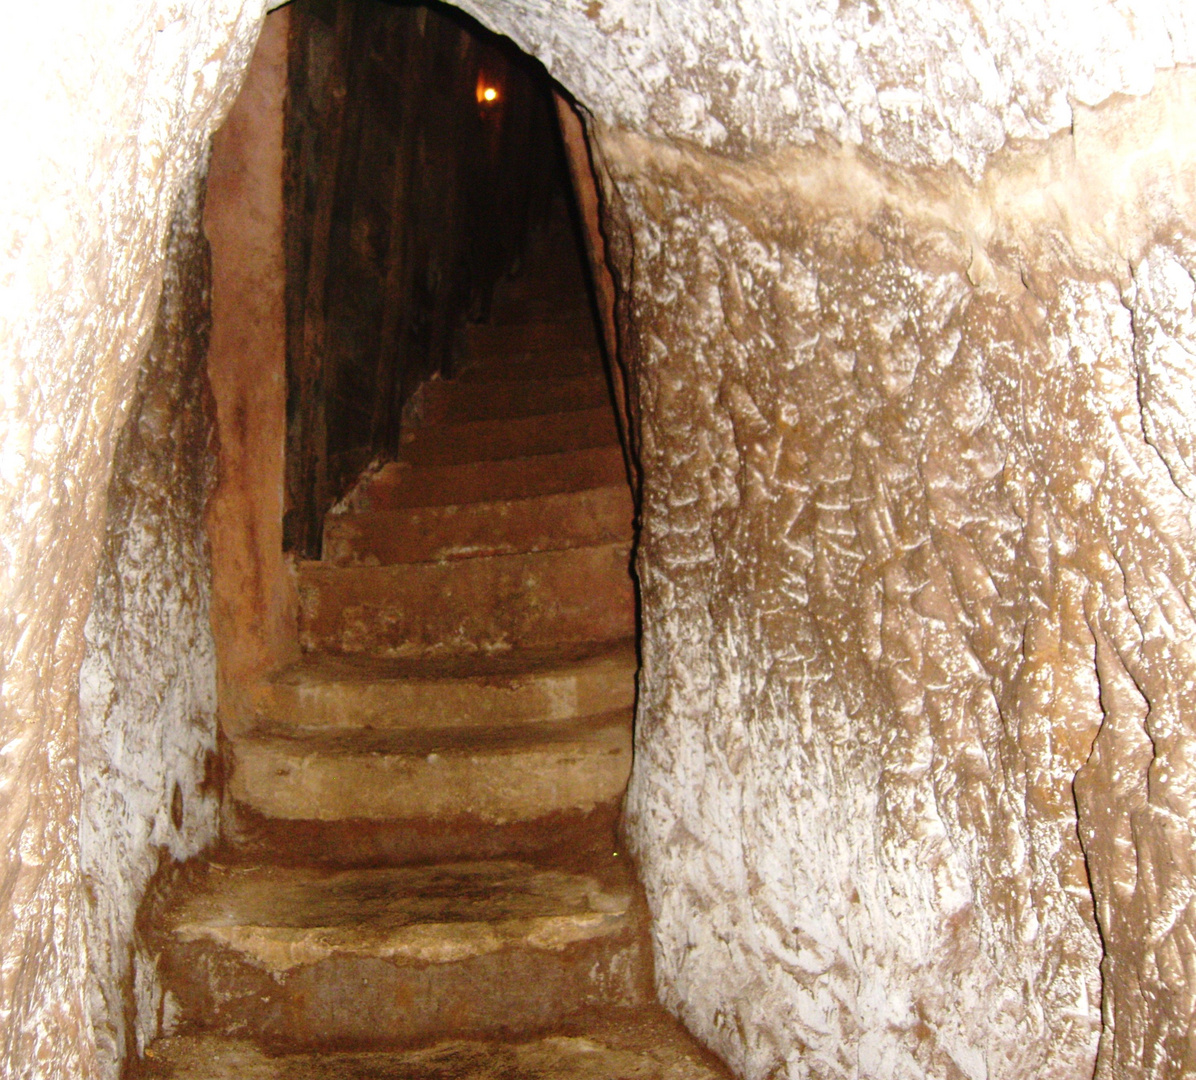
{"x":486,"y":90}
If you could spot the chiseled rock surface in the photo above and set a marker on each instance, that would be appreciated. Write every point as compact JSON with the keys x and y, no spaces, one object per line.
{"x":916,"y":573}
{"x":147,"y":686}
{"x":943,"y":82}
{"x":105,"y":112}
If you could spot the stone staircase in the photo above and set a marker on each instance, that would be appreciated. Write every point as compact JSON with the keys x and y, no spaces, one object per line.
{"x":421,"y":876}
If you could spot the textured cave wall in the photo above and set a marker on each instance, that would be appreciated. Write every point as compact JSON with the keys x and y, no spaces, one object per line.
{"x":147,"y":685}
{"x":938,"y":83}
{"x":916,"y":580}
{"x":907,"y":291}
{"x":105,"y":112}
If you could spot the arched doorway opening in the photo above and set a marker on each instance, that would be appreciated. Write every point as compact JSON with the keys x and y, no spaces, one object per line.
{"x":428,"y":666}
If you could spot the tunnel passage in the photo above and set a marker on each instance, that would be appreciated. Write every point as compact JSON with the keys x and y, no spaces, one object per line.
{"x":419,"y":835}
{"x":915,"y":385}
{"x":422,"y":152}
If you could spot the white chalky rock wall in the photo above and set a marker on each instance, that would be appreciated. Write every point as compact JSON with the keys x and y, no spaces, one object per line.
{"x":940,"y":83}
{"x":888,"y":519}
{"x":147,"y":686}
{"x":105,"y":112}
{"x":908,"y":294}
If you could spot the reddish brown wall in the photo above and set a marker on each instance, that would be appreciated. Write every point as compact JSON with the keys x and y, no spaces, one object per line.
{"x":253,"y":602}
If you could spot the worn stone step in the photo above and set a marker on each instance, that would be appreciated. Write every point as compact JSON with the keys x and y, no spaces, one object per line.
{"x":641,"y":1044}
{"x":492,"y":773}
{"x":398,"y":485}
{"x":527,"y":305}
{"x":539,"y":362}
{"x":484,"y":605}
{"x":517,"y":437}
{"x":551,"y":271}
{"x":449,"y":401}
{"x":307,"y":956}
{"x":568,"y":838}
{"x":507,"y":339}
{"x":565,"y":300}
{"x":506,"y":527}
{"x":552,"y":287}
{"x":519,"y":686}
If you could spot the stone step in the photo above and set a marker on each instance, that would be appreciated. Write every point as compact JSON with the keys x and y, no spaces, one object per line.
{"x":490,"y":773}
{"x":439,"y":533}
{"x":527,"y":364}
{"x":495,"y":440}
{"x":384,"y":957}
{"x":644,"y":1044}
{"x":526,"y":305}
{"x":553,"y":280}
{"x":521,"y":686}
{"x":551,"y":271}
{"x":567,"y":301}
{"x":471,"y":605}
{"x":568,"y":838}
{"x":400,"y":485}
{"x":547,"y":335}
{"x":448,"y":401}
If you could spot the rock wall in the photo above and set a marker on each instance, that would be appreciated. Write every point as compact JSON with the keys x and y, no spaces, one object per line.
{"x":907,"y":290}
{"x":254,"y":597}
{"x":105,"y":112}
{"x":915,"y":576}
{"x":938,"y":83}
{"x":147,"y":686}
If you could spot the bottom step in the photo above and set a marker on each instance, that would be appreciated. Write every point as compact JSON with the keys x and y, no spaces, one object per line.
{"x":384,"y":958}
{"x":640,"y":1047}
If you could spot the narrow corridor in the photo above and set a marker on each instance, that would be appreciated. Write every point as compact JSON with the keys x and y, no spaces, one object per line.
{"x":421,"y":815}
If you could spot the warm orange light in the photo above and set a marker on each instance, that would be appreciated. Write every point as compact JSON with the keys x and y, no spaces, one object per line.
{"x":487,"y":92}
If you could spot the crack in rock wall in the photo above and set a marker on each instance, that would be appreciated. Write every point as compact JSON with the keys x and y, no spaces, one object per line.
{"x":105,"y":112}
{"x":147,"y":686}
